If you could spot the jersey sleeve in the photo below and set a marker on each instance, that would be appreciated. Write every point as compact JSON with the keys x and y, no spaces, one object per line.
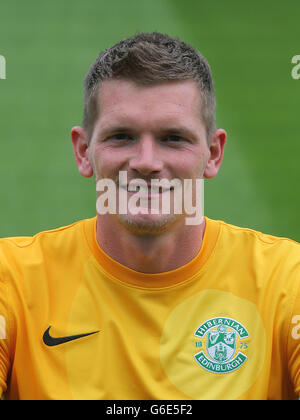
{"x":293,"y":348}
{"x":4,"y":338}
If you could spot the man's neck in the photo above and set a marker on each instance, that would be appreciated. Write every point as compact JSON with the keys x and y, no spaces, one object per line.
{"x":149,"y":253}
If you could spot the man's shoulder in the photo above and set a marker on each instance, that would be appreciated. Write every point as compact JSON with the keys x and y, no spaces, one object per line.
{"x":62,"y":238}
{"x":272,"y":261}
{"x":247,"y":244}
{"x":252,"y":235}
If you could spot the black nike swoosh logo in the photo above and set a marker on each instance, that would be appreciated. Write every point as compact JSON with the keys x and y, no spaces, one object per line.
{"x":55,"y":341}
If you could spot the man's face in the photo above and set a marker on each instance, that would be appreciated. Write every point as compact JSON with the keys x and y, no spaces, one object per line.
{"x":151,"y":132}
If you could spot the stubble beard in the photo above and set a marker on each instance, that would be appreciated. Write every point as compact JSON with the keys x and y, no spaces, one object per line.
{"x":143,"y":226}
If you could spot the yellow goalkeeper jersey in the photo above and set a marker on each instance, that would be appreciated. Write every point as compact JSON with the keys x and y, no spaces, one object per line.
{"x":75,"y":324}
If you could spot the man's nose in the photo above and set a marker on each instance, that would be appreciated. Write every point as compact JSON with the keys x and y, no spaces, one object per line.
{"x":146,"y":158}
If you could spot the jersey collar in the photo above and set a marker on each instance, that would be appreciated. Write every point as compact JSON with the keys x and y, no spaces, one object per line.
{"x":158,"y":280}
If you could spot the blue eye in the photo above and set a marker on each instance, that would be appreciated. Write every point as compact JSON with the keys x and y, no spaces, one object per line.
{"x":172,"y":138}
{"x":121,"y":136}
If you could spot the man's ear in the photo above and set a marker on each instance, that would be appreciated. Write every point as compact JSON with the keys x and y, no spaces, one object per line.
{"x":216,"y":151}
{"x":80,"y":147}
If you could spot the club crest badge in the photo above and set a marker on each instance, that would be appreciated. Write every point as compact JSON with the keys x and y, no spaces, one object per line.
{"x":223,"y":343}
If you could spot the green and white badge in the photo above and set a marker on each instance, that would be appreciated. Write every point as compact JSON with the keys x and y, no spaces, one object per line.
{"x":223,"y":343}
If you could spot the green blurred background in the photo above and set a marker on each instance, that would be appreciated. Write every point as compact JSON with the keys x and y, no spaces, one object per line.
{"x":48,"y":47}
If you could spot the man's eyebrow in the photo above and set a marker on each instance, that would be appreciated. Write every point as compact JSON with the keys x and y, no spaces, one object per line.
{"x":114,"y":129}
{"x":180,"y":131}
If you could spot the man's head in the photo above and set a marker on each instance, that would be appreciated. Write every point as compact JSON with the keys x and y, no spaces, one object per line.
{"x":149,"y":111}
{"x":149,"y":59}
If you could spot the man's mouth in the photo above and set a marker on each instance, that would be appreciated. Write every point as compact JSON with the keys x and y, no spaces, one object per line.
{"x":145,"y":190}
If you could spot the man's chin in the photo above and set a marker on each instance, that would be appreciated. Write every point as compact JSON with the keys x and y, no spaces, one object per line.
{"x":147,"y":223}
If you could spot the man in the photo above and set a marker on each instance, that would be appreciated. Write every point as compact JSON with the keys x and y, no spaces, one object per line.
{"x":137,"y":303}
